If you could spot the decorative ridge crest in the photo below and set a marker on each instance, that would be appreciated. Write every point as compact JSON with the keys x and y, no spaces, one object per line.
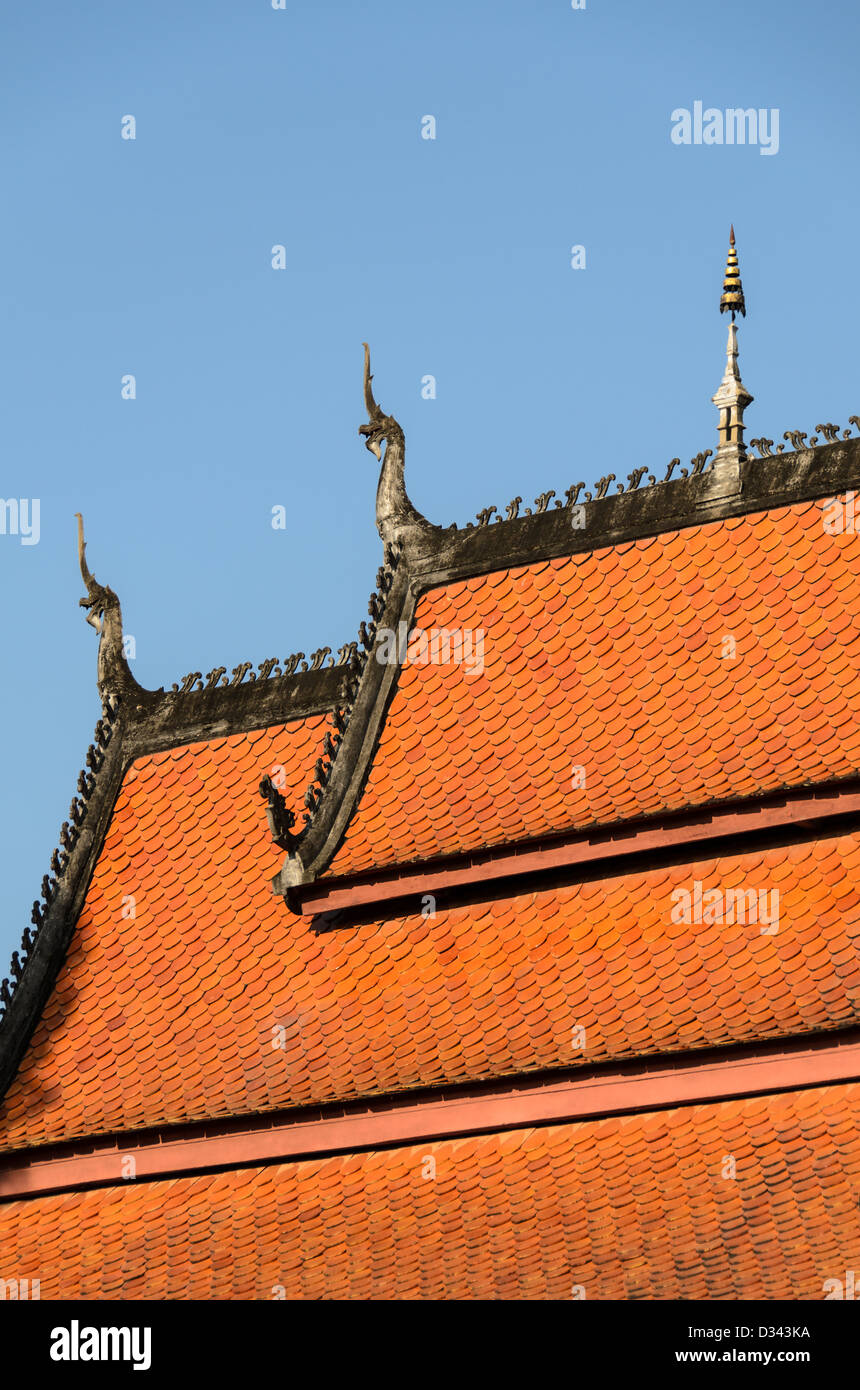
{"x":700,"y":463}
{"x":798,"y":439}
{"x":69,"y":834}
{"x":490,"y":516}
{"x":244,"y":674}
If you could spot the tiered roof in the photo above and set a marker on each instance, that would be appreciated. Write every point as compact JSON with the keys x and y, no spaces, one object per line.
{"x":471,"y":945}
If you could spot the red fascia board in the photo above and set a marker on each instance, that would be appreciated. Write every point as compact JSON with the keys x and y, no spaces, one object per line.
{"x":660,"y":1084}
{"x":582,"y":848}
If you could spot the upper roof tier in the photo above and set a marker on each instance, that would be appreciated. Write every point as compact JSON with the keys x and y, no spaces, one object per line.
{"x":671,"y":671}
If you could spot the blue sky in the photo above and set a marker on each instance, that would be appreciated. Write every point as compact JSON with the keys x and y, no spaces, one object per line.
{"x":302,"y":127}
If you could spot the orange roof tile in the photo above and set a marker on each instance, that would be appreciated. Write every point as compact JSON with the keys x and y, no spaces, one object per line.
{"x":175,"y":1014}
{"x":616,"y":661}
{"x":632,"y":1208}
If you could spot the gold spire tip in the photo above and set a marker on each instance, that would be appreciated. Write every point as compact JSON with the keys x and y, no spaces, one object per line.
{"x":732,"y":299}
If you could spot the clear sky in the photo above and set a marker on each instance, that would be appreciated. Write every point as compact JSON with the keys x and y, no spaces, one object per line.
{"x":301,"y":127}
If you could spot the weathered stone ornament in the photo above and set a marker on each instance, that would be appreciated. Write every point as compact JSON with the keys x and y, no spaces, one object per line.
{"x":281,"y":819}
{"x":396,"y":519}
{"x":105,"y":615}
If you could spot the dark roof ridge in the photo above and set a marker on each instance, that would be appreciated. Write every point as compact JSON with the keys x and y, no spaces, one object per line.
{"x":53,"y":918}
{"x":288,"y":687}
{"x":332,"y":797}
{"x":704,"y":493}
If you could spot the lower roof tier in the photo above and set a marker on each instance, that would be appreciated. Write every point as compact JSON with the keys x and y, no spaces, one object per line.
{"x":745,"y":1199}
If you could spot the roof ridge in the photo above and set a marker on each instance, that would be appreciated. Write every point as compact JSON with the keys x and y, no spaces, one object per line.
{"x":336,"y":790}
{"x":89,"y":781}
{"x":216,"y":679}
{"x":601,"y":488}
{"x":340,"y":718}
{"x":317,"y":797}
{"x":698,"y":464}
{"x":115,"y":678}
{"x":764,"y":447}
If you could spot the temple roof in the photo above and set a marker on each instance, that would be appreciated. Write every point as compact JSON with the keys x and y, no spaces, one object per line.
{"x":611,"y":620}
{"x":607,"y":658}
{"x":325,"y":885}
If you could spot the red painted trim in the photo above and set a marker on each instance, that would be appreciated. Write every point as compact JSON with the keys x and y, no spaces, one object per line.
{"x":640,"y":1086}
{"x":535,"y":856}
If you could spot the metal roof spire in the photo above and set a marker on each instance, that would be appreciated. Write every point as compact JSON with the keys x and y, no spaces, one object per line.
{"x":732,"y":298}
{"x":732,"y":397}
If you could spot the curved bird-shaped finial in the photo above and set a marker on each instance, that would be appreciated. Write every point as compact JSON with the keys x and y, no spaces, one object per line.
{"x":396,"y":518}
{"x":105,"y":615}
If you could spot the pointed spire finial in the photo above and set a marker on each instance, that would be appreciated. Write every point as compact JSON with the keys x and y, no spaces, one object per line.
{"x":732,"y":397}
{"x":732,"y":298}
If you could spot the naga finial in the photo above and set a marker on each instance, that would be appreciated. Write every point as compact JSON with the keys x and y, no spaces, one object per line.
{"x":105,"y":615}
{"x":396,"y":518}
